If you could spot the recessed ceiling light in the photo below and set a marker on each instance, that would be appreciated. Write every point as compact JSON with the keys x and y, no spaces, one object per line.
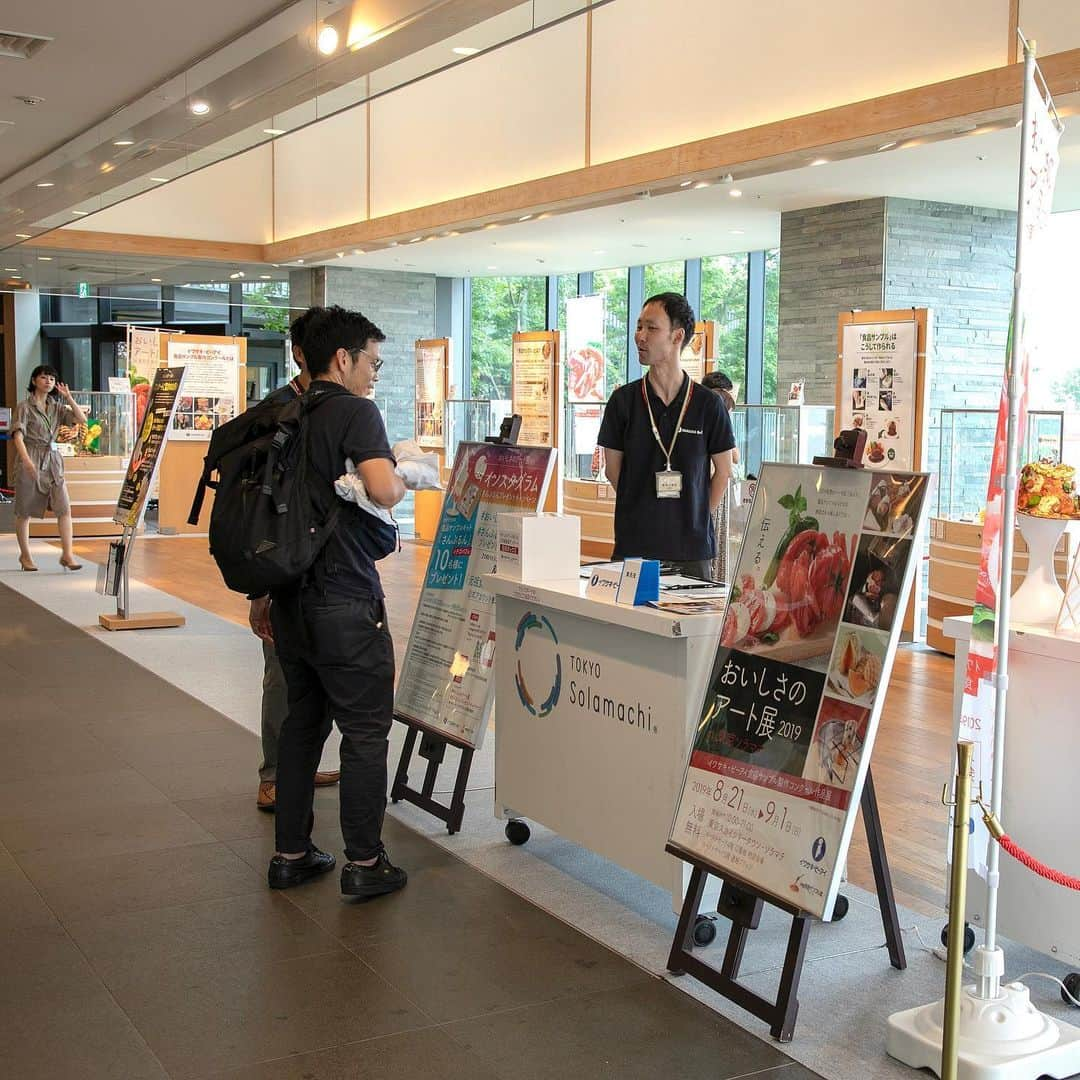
{"x":23,"y":235}
{"x":44,"y":258}
{"x":544,"y":216}
{"x":10,"y":270}
{"x":327,"y":40}
{"x":735,"y":193}
{"x":80,"y":213}
{"x":238,"y":274}
{"x":273,"y":131}
{"x":156,"y":280}
{"x":416,"y":240}
{"x":493,"y":268}
{"x":453,"y":233}
{"x":199,"y":108}
{"x":701,"y":184}
{"x":123,"y":142}
{"x":357,"y":251}
{"x":819,"y":161}
{"x":887,"y":146}
{"x":160,"y":179}
{"x":686,"y":183}
{"x":341,"y":254}
{"x":46,"y":183}
{"x":106,"y":167}
{"x":525,"y":217}
{"x":464,"y":50}
{"x":492,"y":225}
{"x":265,"y":277}
{"x":299,"y":260}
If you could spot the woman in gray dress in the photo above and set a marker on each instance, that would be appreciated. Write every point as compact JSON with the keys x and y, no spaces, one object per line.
{"x":39,"y":476}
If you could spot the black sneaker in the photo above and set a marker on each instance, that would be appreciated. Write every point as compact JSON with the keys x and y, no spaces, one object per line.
{"x":285,"y":873}
{"x":382,"y":877}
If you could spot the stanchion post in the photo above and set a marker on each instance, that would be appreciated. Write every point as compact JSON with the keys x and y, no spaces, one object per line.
{"x":954,"y":976}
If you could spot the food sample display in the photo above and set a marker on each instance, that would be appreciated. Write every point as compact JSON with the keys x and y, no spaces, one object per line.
{"x":1048,"y":490}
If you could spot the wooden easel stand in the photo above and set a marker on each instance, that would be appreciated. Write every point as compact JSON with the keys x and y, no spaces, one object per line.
{"x":433,"y":749}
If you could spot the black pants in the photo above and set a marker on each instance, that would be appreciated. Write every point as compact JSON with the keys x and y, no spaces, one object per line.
{"x":338,"y":658}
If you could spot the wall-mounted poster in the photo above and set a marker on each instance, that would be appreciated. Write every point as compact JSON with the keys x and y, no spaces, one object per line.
{"x":699,"y":350}
{"x":432,"y":358}
{"x":535,"y":386}
{"x":880,"y":386}
{"x":772,"y":787}
{"x":211,"y":386}
{"x":586,"y":366}
{"x":445,"y":681}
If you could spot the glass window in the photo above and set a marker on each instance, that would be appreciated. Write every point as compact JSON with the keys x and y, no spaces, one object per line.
{"x":614,"y":285}
{"x":723,"y":300}
{"x":665,"y":277}
{"x":68,"y":308}
{"x":266,"y":306}
{"x":501,"y":306}
{"x":73,"y":358}
{"x":567,"y":289}
{"x":135,"y":303}
{"x":202,"y":302}
{"x":772,"y":324}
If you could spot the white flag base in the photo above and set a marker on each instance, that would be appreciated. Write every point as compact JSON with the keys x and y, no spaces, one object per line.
{"x":1003,"y":1038}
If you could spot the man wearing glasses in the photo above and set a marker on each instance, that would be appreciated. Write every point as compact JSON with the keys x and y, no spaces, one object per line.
{"x":331,"y":631}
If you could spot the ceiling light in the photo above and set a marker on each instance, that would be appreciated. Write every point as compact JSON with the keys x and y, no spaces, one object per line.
{"x":327,"y":40}
{"x":10,"y":270}
{"x":238,"y":274}
{"x":701,"y":184}
{"x":525,"y":217}
{"x":686,"y":183}
{"x":735,"y":193}
{"x":265,"y":277}
{"x":416,"y":240}
{"x":464,"y":50}
{"x":156,"y":280}
{"x":492,"y":225}
{"x":23,"y":235}
{"x":160,"y":179}
{"x":299,"y":260}
{"x":357,"y":251}
{"x":493,"y":268}
{"x":44,"y":258}
{"x":199,"y":108}
{"x":80,"y":213}
{"x":106,"y":167}
{"x":273,"y":131}
{"x":819,"y":161}
{"x":887,"y":146}
{"x":45,"y":183}
{"x":123,"y":142}
{"x":736,"y":232}
{"x":341,"y":254}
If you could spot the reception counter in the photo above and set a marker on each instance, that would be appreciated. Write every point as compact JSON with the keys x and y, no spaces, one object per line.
{"x":596,"y":706}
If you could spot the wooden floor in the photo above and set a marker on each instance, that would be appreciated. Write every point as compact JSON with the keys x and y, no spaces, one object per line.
{"x":912,"y":758}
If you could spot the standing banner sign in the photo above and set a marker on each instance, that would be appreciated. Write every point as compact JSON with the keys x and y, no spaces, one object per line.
{"x":211,"y":388}
{"x":586,"y":366}
{"x":149,"y":442}
{"x":445,"y":682}
{"x":773,"y":784}
{"x":977,"y":709}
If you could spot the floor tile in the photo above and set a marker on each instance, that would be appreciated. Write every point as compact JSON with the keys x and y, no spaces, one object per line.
{"x":113,"y":830}
{"x":185,"y":747}
{"x":57,"y":1018}
{"x":202,"y":1016}
{"x":53,"y":796}
{"x":21,"y":905}
{"x":169,"y":714}
{"x":261,"y":926}
{"x":200,"y":780}
{"x":40,"y":747}
{"x":644,"y":1031}
{"x":230,"y":817}
{"x":88,"y":888}
{"x":416,"y":1055}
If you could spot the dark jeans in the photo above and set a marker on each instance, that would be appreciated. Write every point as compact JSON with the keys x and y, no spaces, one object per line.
{"x":338,"y":658}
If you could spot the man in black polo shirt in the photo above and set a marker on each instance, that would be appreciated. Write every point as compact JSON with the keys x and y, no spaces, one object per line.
{"x":331,"y":631}
{"x":667,"y":448}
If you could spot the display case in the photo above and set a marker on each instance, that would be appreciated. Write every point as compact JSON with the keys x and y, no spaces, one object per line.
{"x":110,"y":427}
{"x":791,"y":434}
{"x":580,"y":459}
{"x":472,"y":420}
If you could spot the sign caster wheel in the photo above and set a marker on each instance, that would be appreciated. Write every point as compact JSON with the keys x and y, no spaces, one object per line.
{"x":840,"y":908}
{"x":1072,"y":987}
{"x":969,"y":938}
{"x":517,"y":832}
{"x":704,"y":931}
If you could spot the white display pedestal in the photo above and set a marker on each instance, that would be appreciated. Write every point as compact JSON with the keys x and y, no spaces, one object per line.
{"x":1042,"y":747}
{"x":600,"y":759}
{"x":1038,"y":600}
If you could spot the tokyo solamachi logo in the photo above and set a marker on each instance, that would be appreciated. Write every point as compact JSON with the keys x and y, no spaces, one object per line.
{"x":542,"y":661}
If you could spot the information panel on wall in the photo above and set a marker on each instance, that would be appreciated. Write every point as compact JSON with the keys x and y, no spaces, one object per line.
{"x":772,"y":787}
{"x":432,"y":358}
{"x":879,"y":387}
{"x":445,"y":681}
{"x":535,"y":386}
{"x":211,"y":386}
{"x":699,"y":351}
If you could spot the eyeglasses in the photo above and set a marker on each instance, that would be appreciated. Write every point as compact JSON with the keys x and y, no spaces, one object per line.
{"x":376,"y":361}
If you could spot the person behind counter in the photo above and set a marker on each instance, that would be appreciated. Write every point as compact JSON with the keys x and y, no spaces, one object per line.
{"x":724,"y":389}
{"x":667,"y":448}
{"x":39,"y":478}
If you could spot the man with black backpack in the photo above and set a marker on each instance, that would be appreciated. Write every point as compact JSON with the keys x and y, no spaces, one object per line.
{"x":275,"y":702}
{"x":330,"y":627}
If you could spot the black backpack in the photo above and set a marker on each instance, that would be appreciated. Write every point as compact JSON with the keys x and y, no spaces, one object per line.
{"x":272,"y":512}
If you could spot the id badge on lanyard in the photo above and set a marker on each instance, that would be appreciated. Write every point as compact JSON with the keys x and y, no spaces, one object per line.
{"x":668,"y":480}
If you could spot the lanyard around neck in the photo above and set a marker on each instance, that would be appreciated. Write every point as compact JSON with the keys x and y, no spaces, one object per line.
{"x":667,"y":451}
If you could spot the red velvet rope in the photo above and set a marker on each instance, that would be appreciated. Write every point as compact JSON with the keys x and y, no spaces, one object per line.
{"x":1040,"y":868}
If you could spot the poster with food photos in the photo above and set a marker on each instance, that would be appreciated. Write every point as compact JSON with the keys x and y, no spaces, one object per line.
{"x":431,"y":360}
{"x":878,"y":386}
{"x":772,"y":786}
{"x":211,"y":386}
{"x":534,"y":386}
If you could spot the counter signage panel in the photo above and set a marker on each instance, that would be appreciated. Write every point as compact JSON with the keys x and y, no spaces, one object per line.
{"x":445,"y":681}
{"x":772,"y":787}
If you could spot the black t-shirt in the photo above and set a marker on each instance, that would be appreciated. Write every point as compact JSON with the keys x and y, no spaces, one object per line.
{"x":346,"y":426}
{"x":673,"y":529}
